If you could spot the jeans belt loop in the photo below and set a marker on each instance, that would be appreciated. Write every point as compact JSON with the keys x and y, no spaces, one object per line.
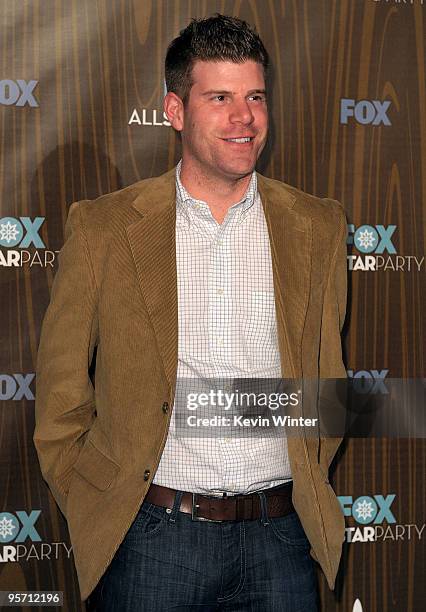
{"x":176,"y":506}
{"x":264,"y":508}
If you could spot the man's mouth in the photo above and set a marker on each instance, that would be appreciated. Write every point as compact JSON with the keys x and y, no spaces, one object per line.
{"x":240,"y":140}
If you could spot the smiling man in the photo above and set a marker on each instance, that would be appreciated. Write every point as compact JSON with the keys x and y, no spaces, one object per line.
{"x":223,"y":120}
{"x":208,"y":271}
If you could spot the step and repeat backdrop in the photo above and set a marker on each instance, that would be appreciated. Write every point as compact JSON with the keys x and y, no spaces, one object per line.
{"x":81,"y":90}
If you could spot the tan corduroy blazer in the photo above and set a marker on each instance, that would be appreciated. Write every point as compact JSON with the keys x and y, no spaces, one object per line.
{"x":99,"y":444}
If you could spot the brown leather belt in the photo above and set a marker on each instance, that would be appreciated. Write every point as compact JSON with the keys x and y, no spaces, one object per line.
{"x":233,"y":508}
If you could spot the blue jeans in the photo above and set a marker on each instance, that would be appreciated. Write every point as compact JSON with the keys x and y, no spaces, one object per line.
{"x":167,"y":561}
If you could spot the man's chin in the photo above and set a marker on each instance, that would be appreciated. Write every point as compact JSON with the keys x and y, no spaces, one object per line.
{"x":239,"y":167}
{"x":237,"y":171}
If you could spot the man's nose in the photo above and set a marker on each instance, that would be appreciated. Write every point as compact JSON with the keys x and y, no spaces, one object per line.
{"x":241,"y":112}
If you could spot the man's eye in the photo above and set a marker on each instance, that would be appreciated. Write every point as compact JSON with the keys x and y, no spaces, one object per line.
{"x":257,"y":98}
{"x":219,"y":97}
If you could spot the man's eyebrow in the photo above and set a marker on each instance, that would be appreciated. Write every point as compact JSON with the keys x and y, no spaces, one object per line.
{"x":215,"y":91}
{"x":219,"y":92}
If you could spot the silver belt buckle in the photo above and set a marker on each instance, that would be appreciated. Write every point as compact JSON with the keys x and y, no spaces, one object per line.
{"x":194,"y":517}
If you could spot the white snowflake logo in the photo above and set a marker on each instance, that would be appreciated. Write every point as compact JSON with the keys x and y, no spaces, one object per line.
{"x":8,"y":231}
{"x":366,"y":239}
{"x":364,"y":510}
{"x":6,"y":527}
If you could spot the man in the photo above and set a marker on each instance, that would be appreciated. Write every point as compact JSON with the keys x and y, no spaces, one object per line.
{"x":210,"y":270}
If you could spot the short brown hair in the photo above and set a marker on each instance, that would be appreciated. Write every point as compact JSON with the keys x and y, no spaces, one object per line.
{"x":217,"y":38}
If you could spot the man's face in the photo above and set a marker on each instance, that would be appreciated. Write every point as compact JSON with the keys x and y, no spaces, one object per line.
{"x":225,"y":121}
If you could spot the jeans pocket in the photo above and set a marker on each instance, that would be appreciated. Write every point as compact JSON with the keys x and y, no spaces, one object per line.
{"x":289,"y":529}
{"x":149,"y":522}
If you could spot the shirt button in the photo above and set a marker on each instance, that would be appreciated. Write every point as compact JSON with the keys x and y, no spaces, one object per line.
{"x":146,"y":474}
{"x":220,"y":341}
{"x":219,"y":291}
{"x":220,"y":242}
{"x":165,"y":407}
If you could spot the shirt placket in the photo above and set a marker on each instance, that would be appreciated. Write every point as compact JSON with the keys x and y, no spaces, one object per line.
{"x":220,"y":329}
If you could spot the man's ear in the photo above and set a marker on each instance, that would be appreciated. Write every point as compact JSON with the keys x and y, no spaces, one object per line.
{"x":173,"y":107}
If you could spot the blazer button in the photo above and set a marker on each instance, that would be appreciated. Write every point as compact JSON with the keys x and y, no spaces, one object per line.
{"x":146,"y":474}
{"x":165,"y":407}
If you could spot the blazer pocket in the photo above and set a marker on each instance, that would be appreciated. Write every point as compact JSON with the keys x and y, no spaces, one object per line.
{"x":95,"y":467}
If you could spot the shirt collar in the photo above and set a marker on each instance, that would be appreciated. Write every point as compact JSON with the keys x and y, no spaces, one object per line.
{"x":184,"y":198}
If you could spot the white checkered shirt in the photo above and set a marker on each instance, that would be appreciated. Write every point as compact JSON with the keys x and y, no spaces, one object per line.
{"x":227,"y":328}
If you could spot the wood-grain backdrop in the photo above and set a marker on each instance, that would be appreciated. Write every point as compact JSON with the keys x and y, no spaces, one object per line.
{"x":95,"y":63}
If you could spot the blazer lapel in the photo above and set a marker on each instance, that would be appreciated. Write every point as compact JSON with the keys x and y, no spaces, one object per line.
{"x":290,"y":234}
{"x":153,"y":245}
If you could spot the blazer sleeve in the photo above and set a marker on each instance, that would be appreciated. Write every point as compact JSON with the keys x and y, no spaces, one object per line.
{"x":65,"y":401}
{"x":331,"y":366}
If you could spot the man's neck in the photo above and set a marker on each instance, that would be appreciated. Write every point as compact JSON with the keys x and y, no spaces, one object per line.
{"x":219,"y":193}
